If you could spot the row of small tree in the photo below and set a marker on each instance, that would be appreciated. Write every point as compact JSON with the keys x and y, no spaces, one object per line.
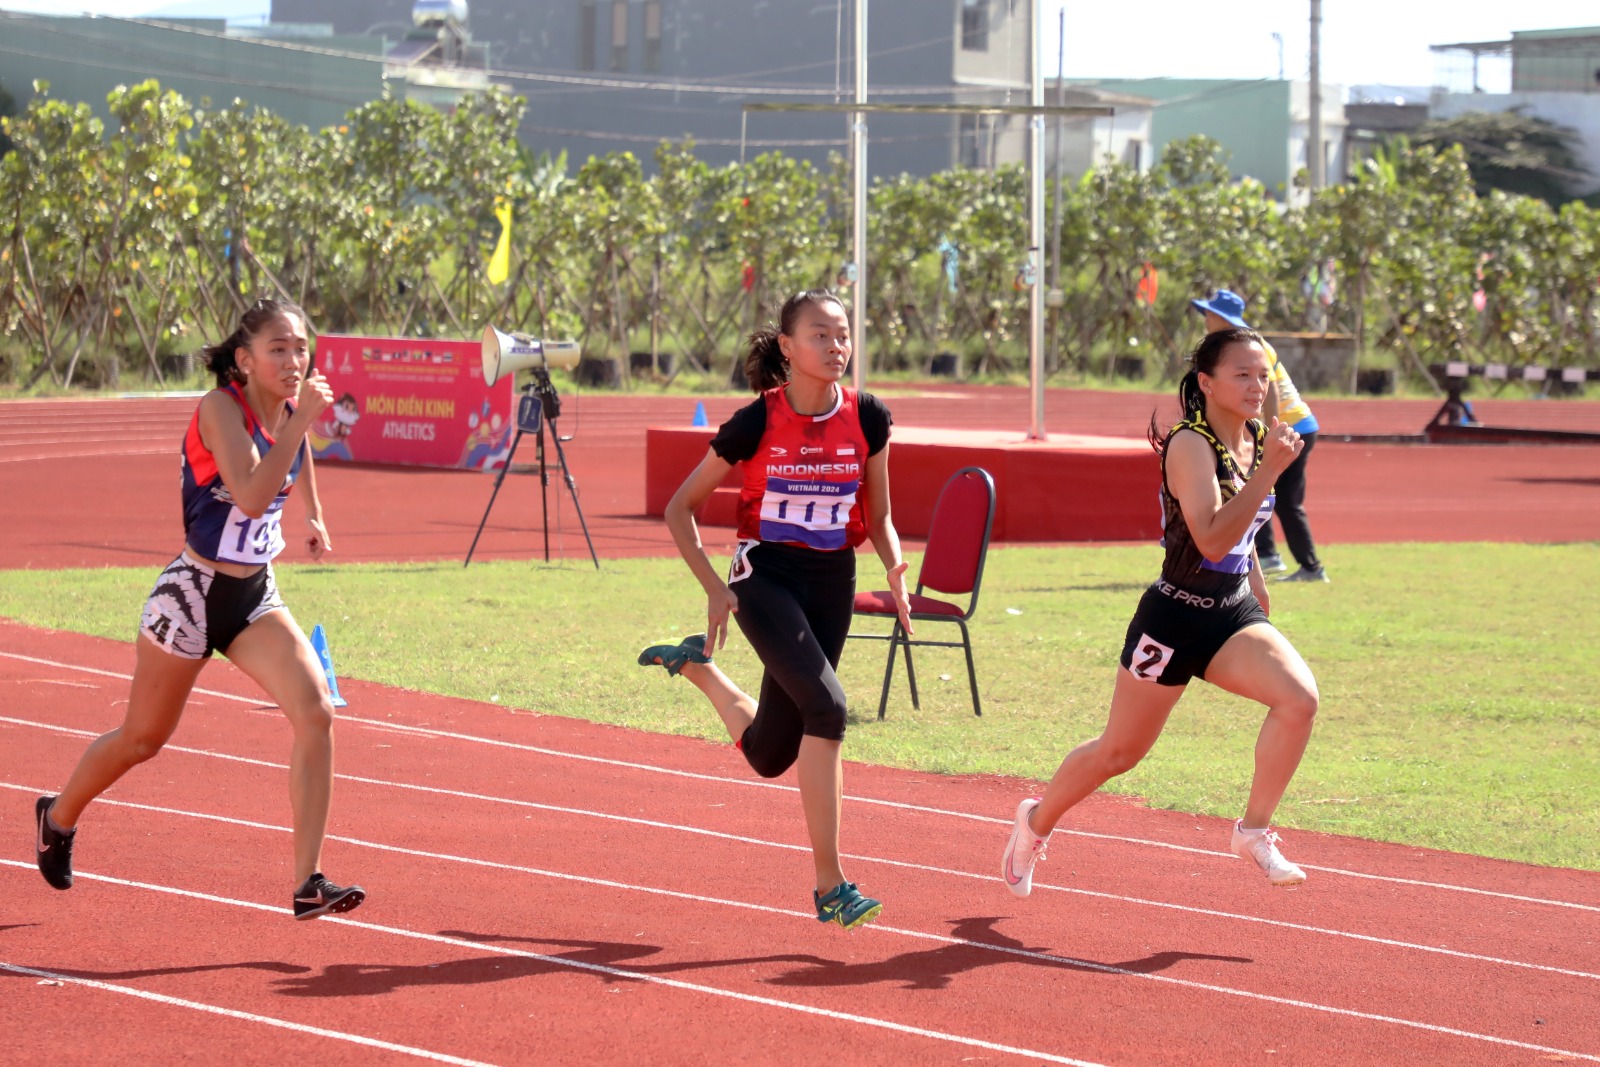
{"x":144,"y":240}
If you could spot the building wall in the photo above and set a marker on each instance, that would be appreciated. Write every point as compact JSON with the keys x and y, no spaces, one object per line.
{"x":1556,"y":61}
{"x":730,"y":42}
{"x":83,"y":59}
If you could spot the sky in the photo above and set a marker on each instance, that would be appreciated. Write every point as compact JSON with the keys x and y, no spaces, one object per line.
{"x":1364,"y":42}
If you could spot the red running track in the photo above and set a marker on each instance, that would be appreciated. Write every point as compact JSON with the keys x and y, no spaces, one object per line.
{"x":548,"y":890}
{"x":94,"y":482}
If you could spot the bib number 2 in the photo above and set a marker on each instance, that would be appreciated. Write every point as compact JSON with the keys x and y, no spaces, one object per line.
{"x":1150,"y":658}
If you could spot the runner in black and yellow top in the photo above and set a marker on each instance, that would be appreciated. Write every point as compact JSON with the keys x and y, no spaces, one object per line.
{"x":1224,"y":310}
{"x":1206,"y":616}
{"x":816,"y":485}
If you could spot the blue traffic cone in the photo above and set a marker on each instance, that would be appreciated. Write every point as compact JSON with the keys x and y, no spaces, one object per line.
{"x":319,"y":642}
{"x":699,"y":414}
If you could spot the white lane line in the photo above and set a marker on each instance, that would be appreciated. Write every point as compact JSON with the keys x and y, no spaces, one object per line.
{"x":231,"y":1013}
{"x":596,"y":968}
{"x":901,"y":805}
{"x":700,"y":831}
{"x":881,"y":929}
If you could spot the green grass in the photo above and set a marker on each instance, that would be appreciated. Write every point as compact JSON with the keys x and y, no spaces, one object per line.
{"x":1458,"y":681}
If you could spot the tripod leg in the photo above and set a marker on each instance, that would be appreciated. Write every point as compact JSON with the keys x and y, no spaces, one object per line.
{"x":500,"y":478}
{"x":572,"y":487}
{"x":544,"y":491}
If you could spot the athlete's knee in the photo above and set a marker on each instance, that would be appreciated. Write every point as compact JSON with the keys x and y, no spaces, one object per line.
{"x":141,"y":746}
{"x":313,"y":718}
{"x":1114,"y":758}
{"x":1299,"y":707}
{"x":826,"y":716}
{"x":769,"y":764}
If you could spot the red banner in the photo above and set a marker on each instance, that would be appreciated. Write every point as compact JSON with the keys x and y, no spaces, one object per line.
{"x":411,"y":401}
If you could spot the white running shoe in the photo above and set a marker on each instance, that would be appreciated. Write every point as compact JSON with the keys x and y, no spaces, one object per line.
{"x":1262,"y":846}
{"x":1023,"y":850}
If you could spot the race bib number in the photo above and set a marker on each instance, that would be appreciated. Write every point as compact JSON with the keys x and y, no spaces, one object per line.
{"x":247,"y":540}
{"x":1150,"y":658}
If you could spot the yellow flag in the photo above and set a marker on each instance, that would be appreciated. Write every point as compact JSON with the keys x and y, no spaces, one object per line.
{"x":500,"y":262}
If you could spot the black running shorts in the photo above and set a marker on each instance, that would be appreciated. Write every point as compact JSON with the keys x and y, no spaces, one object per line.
{"x":1174,"y":635}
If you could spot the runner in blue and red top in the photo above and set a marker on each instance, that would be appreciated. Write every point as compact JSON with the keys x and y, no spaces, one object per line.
{"x":1206,"y":616}
{"x":244,"y":452}
{"x":816,"y":485}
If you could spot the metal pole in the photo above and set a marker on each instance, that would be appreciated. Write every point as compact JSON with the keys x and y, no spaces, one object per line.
{"x":1035,"y":265}
{"x":1061,"y":99}
{"x":1315,"y":155}
{"x":858,"y":135}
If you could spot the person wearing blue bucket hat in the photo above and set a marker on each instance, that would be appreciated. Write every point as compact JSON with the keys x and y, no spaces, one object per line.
{"x":1223,"y":310}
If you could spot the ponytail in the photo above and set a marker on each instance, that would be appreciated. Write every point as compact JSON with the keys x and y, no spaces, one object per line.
{"x":764,"y":365}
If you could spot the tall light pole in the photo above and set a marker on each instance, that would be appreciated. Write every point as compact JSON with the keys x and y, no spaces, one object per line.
{"x":858,"y":139}
{"x":1033,"y":271}
{"x":1316,"y":157}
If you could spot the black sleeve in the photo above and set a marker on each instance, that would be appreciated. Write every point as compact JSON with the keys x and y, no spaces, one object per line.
{"x":737,"y":439}
{"x":875,"y":422}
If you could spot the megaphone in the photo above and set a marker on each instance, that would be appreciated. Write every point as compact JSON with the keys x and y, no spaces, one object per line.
{"x":507,"y":353}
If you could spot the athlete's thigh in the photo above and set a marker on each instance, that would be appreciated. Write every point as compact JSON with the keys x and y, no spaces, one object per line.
{"x":774,"y":622}
{"x":273,"y":651}
{"x":1139,"y":711}
{"x":1260,"y":664}
{"x":161,"y":686}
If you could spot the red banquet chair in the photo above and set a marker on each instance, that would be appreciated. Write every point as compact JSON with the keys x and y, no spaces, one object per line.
{"x":958,"y":543}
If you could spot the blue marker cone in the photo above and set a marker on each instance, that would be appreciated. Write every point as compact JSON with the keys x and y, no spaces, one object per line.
{"x":699,"y":414}
{"x":319,"y":642}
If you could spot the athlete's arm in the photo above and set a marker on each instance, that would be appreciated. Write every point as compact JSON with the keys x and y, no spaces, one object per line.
{"x":694,"y":491}
{"x":880,"y":527}
{"x":1192,"y":476}
{"x":317,"y":542}
{"x":254,"y":480}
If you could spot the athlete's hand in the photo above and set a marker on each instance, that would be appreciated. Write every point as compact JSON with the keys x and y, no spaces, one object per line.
{"x":902,"y":601}
{"x":1283,"y":445}
{"x":315,"y":395}
{"x":719,"y":603}
{"x":318,"y":542}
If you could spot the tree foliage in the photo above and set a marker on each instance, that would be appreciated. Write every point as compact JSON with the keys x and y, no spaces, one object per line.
{"x":1512,"y":152}
{"x":142,"y":238}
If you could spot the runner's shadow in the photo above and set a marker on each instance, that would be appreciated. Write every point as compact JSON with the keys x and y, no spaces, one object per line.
{"x":16,"y":926}
{"x":647,"y":968}
{"x":936,"y":968}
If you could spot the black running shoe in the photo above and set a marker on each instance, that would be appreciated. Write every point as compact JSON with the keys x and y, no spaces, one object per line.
{"x":318,"y":896}
{"x":55,"y":849}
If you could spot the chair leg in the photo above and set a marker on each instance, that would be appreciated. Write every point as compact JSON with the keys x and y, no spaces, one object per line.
{"x":888,"y":673}
{"x":911,"y":673}
{"x":972,"y":672}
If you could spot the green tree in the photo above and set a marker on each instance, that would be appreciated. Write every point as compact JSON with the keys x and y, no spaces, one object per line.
{"x":1512,"y":152}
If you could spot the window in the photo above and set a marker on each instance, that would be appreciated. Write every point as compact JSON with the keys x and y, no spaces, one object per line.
{"x":974,"y":25}
{"x":652,"y":35}
{"x":1133,"y":154}
{"x":587,"y":34}
{"x":619,"y":34}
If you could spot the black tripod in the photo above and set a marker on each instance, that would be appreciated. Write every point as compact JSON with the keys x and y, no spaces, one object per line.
{"x":539,"y":404}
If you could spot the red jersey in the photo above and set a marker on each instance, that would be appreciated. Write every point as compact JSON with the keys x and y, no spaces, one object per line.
{"x":802,"y":476}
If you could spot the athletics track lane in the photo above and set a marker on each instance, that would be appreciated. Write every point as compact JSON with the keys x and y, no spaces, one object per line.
{"x":956,"y":954}
{"x":95,"y":480}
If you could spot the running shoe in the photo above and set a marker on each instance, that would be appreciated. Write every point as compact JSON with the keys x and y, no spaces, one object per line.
{"x":318,"y":896}
{"x":844,"y":904}
{"x":691,"y":649}
{"x":1262,"y":846}
{"x":1307,"y":574}
{"x":1273,"y":564}
{"x":55,"y":847}
{"x":1023,"y":850}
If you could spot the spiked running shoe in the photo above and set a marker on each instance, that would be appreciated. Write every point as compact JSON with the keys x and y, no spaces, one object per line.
{"x":1023,"y":850}
{"x":691,"y":649}
{"x":1262,"y":846}
{"x":55,"y":847}
{"x":318,"y":896}
{"x":844,"y":904}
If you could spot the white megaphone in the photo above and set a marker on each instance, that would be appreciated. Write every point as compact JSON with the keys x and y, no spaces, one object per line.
{"x":507,"y":353}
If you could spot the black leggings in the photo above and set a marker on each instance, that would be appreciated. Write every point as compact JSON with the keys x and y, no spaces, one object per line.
{"x":794,"y":609}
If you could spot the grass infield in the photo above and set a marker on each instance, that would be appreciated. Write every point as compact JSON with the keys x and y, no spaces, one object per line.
{"x":1460,"y":691}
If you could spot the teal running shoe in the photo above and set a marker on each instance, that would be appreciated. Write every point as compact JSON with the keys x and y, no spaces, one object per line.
{"x":691,"y":649}
{"x":845,"y":905}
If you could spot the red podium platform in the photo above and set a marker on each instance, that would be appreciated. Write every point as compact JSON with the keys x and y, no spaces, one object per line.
{"x":1069,"y":488}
